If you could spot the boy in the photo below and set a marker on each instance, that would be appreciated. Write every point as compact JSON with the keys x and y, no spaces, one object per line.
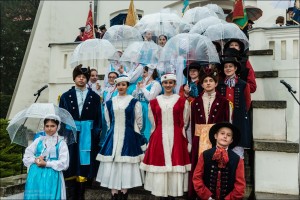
{"x":219,"y":173}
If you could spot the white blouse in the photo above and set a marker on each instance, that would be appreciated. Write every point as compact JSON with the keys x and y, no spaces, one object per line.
{"x":153,"y":93}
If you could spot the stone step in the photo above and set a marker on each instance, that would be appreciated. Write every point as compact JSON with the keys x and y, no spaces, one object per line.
{"x":12,"y":185}
{"x":276,"y":146}
{"x":273,"y":196}
{"x":264,"y":52}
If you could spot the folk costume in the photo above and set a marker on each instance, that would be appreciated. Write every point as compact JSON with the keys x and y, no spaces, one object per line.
{"x":219,"y":173}
{"x":166,"y":160}
{"x":84,"y":106}
{"x":205,"y":109}
{"x":46,"y":182}
{"x":122,"y":149}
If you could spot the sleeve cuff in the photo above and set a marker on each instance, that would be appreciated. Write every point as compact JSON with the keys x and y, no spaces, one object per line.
{"x":48,"y":164}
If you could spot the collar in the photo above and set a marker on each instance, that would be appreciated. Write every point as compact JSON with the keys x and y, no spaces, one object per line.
{"x":79,"y":90}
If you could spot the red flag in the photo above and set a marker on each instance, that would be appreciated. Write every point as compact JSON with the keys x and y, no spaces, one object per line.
{"x":238,"y":10}
{"x":89,"y":26}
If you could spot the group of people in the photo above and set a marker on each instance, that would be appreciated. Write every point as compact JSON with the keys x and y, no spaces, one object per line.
{"x":141,"y":132}
{"x":99,"y":32}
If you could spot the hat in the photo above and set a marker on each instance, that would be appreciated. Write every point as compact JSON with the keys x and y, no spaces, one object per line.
{"x":168,"y":77}
{"x":81,"y":70}
{"x":122,"y":78}
{"x":82,"y":28}
{"x":113,"y":72}
{"x":231,"y":52}
{"x":250,"y":21}
{"x":102,"y":27}
{"x":209,"y":72}
{"x":290,"y":9}
{"x":232,"y":60}
{"x":242,"y":46}
{"x":96,"y":26}
{"x":53,"y":116}
{"x":151,"y":66}
{"x":194,"y":65}
{"x":215,"y":128}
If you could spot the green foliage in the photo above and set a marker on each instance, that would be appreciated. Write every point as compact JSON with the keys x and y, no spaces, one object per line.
{"x":5,"y":100}
{"x":10,"y":154}
{"x":17,"y":18}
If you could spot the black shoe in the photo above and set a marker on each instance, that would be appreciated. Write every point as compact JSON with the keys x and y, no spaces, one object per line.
{"x":81,"y":190}
{"x":71,"y":188}
{"x":115,"y":196}
{"x":124,"y":196}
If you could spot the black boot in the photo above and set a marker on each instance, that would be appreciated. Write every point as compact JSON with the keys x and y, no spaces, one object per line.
{"x":124,"y":196}
{"x":115,"y":196}
{"x":81,"y":190}
{"x":71,"y":188}
{"x":163,"y":198}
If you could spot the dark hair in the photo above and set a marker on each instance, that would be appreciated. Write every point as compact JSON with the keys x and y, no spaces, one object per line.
{"x":126,"y":83}
{"x":52,"y":120}
{"x":113,"y":73}
{"x":163,"y":36}
{"x":154,"y":74}
{"x":92,"y":70}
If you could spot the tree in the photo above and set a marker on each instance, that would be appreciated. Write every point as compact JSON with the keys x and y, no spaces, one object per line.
{"x":17,"y":18}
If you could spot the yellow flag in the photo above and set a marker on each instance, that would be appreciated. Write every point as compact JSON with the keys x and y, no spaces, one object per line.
{"x":131,"y":15}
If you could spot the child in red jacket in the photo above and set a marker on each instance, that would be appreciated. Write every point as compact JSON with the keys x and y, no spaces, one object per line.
{"x":219,"y":173}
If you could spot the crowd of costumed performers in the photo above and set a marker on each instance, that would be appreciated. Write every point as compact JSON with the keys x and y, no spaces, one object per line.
{"x":173,"y":118}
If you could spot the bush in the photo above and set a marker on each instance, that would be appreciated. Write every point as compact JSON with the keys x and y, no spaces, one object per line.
{"x":10,"y":154}
{"x":5,"y":101}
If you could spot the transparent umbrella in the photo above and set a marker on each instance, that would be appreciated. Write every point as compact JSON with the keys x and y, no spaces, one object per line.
{"x":194,"y":15}
{"x":93,"y":51}
{"x":217,"y":9}
{"x":162,"y":23}
{"x":121,"y":36}
{"x":140,"y":52}
{"x":224,"y":32}
{"x":25,"y":124}
{"x":201,"y":26}
{"x":183,"y":49}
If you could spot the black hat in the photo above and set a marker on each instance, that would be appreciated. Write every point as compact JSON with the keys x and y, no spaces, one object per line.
{"x":233,"y":60}
{"x":231,"y":52}
{"x":194,"y":65}
{"x":102,"y":27}
{"x":82,"y":28}
{"x":215,"y":128}
{"x":78,"y":70}
{"x":250,"y":21}
{"x":242,"y":46}
{"x":96,"y":26}
{"x":209,"y":72}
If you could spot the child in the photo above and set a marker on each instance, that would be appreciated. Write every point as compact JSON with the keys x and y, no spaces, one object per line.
{"x":46,"y":158}
{"x":219,"y":173}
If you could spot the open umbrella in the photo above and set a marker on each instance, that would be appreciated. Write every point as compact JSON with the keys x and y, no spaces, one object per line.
{"x":217,"y":9}
{"x":23,"y":127}
{"x":121,"y":36}
{"x":201,"y":26}
{"x":194,"y":15}
{"x":224,"y":32}
{"x":162,"y":23}
{"x":253,"y":13}
{"x":92,"y":51}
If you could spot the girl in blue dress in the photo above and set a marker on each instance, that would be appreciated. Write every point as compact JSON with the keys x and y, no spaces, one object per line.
{"x":46,"y":158}
{"x":147,"y":90}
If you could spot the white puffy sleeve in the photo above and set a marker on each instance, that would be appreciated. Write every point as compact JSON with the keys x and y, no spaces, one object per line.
{"x":154,"y":91}
{"x":138,"y":114}
{"x":137,"y":73}
{"x":186,"y":114}
{"x":29,"y":155}
{"x":63,"y":158}
{"x":151,"y":119}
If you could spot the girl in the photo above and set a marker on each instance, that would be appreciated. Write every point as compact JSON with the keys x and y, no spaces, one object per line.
{"x":166,"y":159}
{"x":46,"y":158}
{"x":147,"y":90}
{"x":122,"y":149}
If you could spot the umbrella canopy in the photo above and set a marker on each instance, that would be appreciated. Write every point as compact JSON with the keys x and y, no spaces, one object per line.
{"x":201,"y":26}
{"x":141,"y":52}
{"x":225,"y":32}
{"x":93,"y":50}
{"x":217,"y":9}
{"x":25,"y":124}
{"x":162,"y":23}
{"x":253,"y":13}
{"x":121,"y":36}
{"x":194,"y":15}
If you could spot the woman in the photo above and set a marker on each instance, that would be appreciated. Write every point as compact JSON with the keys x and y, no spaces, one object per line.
{"x":122,"y":149}
{"x":166,"y":160}
{"x":237,"y":92}
{"x":147,"y":90}
{"x":46,"y":158}
{"x":162,"y":40}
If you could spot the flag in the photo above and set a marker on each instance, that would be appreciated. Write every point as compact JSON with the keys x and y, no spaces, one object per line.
{"x":239,"y":15}
{"x":89,"y":26}
{"x":185,"y":6}
{"x":131,"y":18}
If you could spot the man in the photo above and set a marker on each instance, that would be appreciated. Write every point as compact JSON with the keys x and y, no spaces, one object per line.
{"x":80,"y":36}
{"x":103,"y":30}
{"x":97,"y":33}
{"x":84,"y":106}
